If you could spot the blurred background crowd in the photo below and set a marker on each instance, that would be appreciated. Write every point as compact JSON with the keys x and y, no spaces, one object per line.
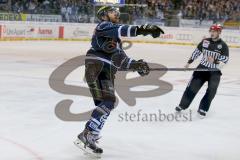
{"x":134,"y":10}
{"x":211,"y":9}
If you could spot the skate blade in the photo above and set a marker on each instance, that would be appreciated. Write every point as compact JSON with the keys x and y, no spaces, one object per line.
{"x":201,"y":117}
{"x":87,"y":151}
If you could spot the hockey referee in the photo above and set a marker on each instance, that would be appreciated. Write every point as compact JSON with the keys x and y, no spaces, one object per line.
{"x":215,"y":55}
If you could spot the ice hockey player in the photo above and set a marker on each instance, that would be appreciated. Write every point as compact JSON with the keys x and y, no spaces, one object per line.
{"x":215,"y":55}
{"x":103,"y":59}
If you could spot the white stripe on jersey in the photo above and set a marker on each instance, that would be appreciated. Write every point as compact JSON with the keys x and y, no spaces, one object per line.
{"x":119,"y":32}
{"x":129,"y":31}
{"x":196,"y":53}
{"x":222,"y":58}
{"x":216,"y":56}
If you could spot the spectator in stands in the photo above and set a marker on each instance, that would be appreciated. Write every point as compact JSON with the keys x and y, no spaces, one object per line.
{"x":31,"y":6}
{"x":64,"y":11}
{"x":17,"y":7}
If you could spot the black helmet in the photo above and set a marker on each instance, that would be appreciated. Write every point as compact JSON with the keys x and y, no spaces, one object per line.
{"x":104,"y":10}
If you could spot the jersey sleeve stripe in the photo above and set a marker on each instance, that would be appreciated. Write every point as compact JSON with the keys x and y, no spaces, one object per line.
{"x":119,"y":32}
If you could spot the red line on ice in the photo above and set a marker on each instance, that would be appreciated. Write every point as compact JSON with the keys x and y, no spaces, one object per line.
{"x":30,"y":151}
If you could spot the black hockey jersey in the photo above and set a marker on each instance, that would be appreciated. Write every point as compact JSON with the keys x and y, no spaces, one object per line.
{"x":106,"y":44}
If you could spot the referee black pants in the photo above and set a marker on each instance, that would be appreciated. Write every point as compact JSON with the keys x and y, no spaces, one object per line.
{"x":197,"y":81}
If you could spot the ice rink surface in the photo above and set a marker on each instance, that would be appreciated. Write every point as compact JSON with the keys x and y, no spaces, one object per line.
{"x":30,"y":130}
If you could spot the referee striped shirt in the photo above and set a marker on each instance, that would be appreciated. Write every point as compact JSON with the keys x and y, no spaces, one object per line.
{"x":218,"y":50}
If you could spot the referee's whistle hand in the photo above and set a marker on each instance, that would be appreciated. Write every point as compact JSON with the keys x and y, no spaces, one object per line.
{"x":210,"y":59}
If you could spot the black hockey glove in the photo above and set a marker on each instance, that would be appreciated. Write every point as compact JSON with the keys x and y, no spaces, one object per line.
{"x":141,"y":67}
{"x":149,"y":29}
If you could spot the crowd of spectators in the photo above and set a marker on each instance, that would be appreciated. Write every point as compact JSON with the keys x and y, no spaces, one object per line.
{"x":71,"y":10}
{"x":33,"y":6}
{"x":83,"y":10}
{"x":76,"y":10}
{"x":150,"y":8}
{"x":211,"y":9}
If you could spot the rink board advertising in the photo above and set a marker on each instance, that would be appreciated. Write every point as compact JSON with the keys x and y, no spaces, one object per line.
{"x":63,"y":31}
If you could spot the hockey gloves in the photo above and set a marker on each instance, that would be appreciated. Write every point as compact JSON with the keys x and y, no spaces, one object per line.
{"x":149,"y":29}
{"x":141,"y":67}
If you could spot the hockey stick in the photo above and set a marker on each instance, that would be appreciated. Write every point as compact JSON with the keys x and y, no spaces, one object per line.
{"x":177,"y":69}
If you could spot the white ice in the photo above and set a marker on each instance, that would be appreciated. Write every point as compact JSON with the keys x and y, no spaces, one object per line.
{"x":30,"y":130}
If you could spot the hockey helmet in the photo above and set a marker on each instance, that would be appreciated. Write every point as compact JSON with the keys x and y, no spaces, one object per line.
{"x":216,"y":27}
{"x":103,"y":11}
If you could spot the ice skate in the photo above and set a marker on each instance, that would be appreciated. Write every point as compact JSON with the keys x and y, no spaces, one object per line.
{"x":86,"y":141}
